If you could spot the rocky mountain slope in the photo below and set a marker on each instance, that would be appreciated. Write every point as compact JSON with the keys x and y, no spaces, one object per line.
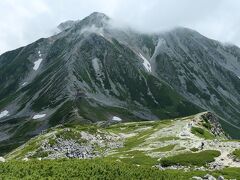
{"x":84,"y":74}
{"x":95,"y":72}
{"x":204,"y":71}
{"x":152,"y":143}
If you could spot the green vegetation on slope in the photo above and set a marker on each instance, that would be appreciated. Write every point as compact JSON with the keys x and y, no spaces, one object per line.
{"x":138,"y":139}
{"x":165,"y":148}
{"x":202,"y":133}
{"x":144,"y":145}
{"x":137,"y":158}
{"x":194,"y":149}
{"x":96,"y":169}
{"x":236,"y":154}
{"x":186,"y":159}
{"x":81,"y":169}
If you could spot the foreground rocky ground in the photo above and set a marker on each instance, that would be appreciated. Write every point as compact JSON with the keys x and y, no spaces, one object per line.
{"x":152,"y":143}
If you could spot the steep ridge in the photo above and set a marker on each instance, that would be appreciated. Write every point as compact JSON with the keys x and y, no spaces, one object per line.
{"x":204,"y":71}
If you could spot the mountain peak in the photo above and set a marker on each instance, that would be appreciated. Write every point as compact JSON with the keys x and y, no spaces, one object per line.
{"x":98,"y":15}
{"x":96,"y":18}
{"x":65,"y":25}
{"x":183,"y":31}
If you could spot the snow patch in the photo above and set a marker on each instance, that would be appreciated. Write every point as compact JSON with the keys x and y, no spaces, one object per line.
{"x":95,"y":64}
{"x":38,"y":116}
{"x":23,"y":84}
{"x":37,"y":64}
{"x":4,"y":113}
{"x":146,"y":64}
{"x":101,"y":34}
{"x":115,"y":118}
{"x":39,"y":54}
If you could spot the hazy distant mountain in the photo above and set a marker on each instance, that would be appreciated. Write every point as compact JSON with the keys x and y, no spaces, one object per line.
{"x":202,"y":70}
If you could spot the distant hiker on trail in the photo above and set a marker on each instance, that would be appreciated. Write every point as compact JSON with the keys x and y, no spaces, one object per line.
{"x":202,"y":145}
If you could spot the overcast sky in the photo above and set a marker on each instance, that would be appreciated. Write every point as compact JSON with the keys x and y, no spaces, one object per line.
{"x":24,"y":21}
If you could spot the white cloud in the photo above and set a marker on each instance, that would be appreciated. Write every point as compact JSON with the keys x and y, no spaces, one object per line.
{"x":19,"y":22}
{"x":24,"y":21}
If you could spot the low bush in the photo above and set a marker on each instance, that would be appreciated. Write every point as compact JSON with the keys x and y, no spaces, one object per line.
{"x":83,"y":169}
{"x":202,"y":133}
{"x":236,"y":154}
{"x":186,"y":159}
{"x":194,"y":149}
{"x":97,"y":169}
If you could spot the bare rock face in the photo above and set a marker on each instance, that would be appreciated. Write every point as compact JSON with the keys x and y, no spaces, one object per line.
{"x":220,"y":178}
{"x":209,"y":177}
{"x":205,"y":72}
{"x":66,"y":25}
{"x":197,"y":178}
{"x":214,"y":121}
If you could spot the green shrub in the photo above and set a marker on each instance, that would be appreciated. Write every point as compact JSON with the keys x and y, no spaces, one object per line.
{"x":165,"y":148}
{"x":236,"y":154}
{"x":197,"y":130}
{"x":139,"y":158}
{"x":40,"y":153}
{"x":194,"y":149}
{"x":83,"y":169}
{"x":97,"y":169}
{"x":207,"y":125}
{"x":202,"y":133}
{"x":186,"y":159}
{"x":181,"y":149}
